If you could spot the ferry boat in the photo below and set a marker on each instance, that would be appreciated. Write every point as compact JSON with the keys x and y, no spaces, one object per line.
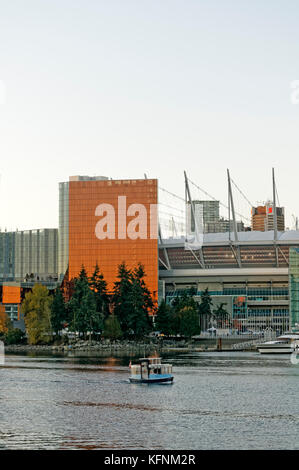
{"x":151,"y":370}
{"x":285,"y":344}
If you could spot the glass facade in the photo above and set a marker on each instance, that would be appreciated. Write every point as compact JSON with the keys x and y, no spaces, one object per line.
{"x":84,"y":246}
{"x":251,"y":307}
{"x":63,"y":237}
{"x":294,"y":287}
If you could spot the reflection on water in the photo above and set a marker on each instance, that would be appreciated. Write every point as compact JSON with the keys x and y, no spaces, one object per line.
{"x":218,"y":401}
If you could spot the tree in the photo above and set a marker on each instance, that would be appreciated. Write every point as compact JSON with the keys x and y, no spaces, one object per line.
{"x":205,"y":309}
{"x":83,"y":274}
{"x":163,"y":318}
{"x":99,"y":287}
{"x":36,"y":308}
{"x":141,"y":304}
{"x":76,"y":313}
{"x":132,"y":301}
{"x":94,"y":319}
{"x":14,"y":336}
{"x":185,"y":317}
{"x":5,"y":322}
{"x":189,"y":325}
{"x":58,"y":312}
{"x":112,"y":329}
{"x":220,"y":315}
{"x":82,"y":307}
{"x":121,"y":298}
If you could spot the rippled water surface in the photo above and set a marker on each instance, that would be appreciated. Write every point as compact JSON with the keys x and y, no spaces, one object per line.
{"x":217,"y":401}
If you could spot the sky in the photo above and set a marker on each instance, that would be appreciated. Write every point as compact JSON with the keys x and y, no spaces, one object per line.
{"x":126,"y":87}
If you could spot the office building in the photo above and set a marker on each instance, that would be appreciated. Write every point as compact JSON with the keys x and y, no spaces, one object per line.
{"x":262,"y":218}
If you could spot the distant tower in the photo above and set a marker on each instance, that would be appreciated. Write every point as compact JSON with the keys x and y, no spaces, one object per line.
{"x":262,"y":218}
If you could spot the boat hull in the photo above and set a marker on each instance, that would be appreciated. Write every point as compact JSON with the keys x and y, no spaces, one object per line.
{"x":151,"y":380}
{"x":285,"y":350}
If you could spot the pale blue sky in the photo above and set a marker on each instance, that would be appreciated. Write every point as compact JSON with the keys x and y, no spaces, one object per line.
{"x":124,"y":87}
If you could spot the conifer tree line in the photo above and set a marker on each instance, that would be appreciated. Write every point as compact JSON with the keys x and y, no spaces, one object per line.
{"x":91,"y":309}
{"x":127,"y":312}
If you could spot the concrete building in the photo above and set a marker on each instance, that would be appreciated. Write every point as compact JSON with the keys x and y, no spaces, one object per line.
{"x":262,"y":218}
{"x":208,"y":218}
{"x":26,"y":257}
{"x":249,"y":275}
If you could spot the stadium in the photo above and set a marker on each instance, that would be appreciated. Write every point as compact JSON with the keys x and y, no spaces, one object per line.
{"x":254,"y":274}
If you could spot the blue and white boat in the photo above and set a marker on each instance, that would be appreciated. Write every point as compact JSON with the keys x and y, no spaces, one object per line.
{"x":151,"y":370}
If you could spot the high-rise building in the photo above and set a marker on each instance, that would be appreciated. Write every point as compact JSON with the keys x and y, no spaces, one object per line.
{"x":26,"y":257}
{"x":85,"y":203}
{"x":205,"y":212}
{"x":29,"y":254}
{"x":262,"y":218}
{"x":208,"y":218}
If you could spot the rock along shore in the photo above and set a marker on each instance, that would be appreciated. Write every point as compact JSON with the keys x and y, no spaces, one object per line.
{"x":124,"y":346}
{"x":89,"y":346}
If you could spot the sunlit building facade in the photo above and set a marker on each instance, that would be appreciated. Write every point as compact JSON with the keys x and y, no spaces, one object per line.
{"x":84,"y":204}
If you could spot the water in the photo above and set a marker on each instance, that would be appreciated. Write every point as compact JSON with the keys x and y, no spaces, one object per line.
{"x":218,"y":401}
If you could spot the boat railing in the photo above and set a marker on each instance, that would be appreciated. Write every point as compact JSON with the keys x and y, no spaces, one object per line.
{"x":144,"y":369}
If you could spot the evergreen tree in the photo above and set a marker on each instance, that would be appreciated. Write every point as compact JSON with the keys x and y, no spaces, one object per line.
{"x":205,"y":309}
{"x":184,"y":318}
{"x":83,"y":274}
{"x":58,"y":312}
{"x":112,"y":328}
{"x":141,"y":304}
{"x":122,"y":296}
{"x":220,"y":315}
{"x":77,"y":306}
{"x":99,"y":287}
{"x":82,"y":307}
{"x":132,"y":301}
{"x":189,"y":325}
{"x":92,"y":320}
{"x":163,"y":318}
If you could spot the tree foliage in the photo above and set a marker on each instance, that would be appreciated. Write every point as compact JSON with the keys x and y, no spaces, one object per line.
{"x":221,"y":315}
{"x":189,"y":324}
{"x":112,"y":329}
{"x":205,"y":309}
{"x":185,"y":316}
{"x":163,"y":318}
{"x":58,"y":312}
{"x":89,"y":306}
{"x":132,"y":301}
{"x":5,"y":322}
{"x":99,"y":287}
{"x":36,"y":308}
{"x":14,"y":336}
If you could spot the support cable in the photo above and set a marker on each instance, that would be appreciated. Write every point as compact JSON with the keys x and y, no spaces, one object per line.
{"x":214,"y":199}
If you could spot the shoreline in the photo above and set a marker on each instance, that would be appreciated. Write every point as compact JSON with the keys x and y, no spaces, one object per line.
{"x":130,"y":347}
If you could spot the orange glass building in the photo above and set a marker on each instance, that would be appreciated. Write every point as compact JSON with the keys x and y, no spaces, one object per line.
{"x":86,"y":203}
